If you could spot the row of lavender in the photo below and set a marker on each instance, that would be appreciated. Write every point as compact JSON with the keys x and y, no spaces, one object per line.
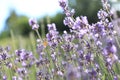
{"x":87,"y":52}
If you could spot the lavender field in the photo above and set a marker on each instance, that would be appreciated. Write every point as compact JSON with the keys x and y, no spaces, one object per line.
{"x":85,"y":52}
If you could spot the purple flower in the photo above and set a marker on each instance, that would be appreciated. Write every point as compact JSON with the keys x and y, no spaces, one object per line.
{"x":70,"y":13}
{"x":84,"y":19}
{"x":80,"y":54}
{"x":9,"y":64}
{"x":93,"y":73}
{"x":80,"y":23}
{"x":53,"y":43}
{"x":40,"y":48}
{"x":77,"y":24}
{"x":110,"y":25}
{"x":4,"y":56}
{"x":33,"y":23}
{"x":68,"y":37}
{"x":72,"y":73}
{"x":67,"y":47}
{"x":89,"y":57}
{"x":111,"y":48}
{"x":105,"y":4}
{"x":49,"y":36}
{"x":68,"y":21}
{"x":14,"y":78}
{"x":7,"y":48}
{"x":18,"y":52}
{"x":22,"y":71}
{"x":104,"y":1}
{"x":24,"y":64}
{"x":115,"y":78}
{"x":53,"y":56}
{"x":99,"y":29}
{"x":35,"y":26}
{"x":63,"y":3}
{"x":99,"y":43}
{"x":24,"y":55}
{"x":52,"y":35}
{"x":52,"y":27}
{"x":4,"y":77}
{"x":102,"y":14}
{"x":60,"y":73}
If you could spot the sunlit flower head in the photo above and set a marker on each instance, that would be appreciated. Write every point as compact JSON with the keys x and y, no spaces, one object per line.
{"x":33,"y":23}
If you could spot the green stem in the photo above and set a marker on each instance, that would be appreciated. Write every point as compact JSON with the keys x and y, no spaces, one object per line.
{"x":117,"y":42}
{"x":13,"y":39}
{"x":39,"y":35}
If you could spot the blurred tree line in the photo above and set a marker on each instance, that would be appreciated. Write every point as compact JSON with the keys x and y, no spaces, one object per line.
{"x":19,"y":24}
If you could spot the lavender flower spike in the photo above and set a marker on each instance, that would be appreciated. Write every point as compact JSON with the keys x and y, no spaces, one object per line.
{"x":63,"y":3}
{"x":33,"y":23}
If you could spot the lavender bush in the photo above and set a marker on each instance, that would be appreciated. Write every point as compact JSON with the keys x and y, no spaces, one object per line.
{"x":87,"y":52}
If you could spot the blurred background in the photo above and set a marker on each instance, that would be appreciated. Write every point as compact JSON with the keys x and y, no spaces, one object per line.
{"x":14,"y":16}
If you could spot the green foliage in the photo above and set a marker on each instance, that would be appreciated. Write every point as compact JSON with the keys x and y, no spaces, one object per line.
{"x":118,"y":13}
{"x":5,"y":33}
{"x":87,"y":8}
{"x":19,"y":24}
